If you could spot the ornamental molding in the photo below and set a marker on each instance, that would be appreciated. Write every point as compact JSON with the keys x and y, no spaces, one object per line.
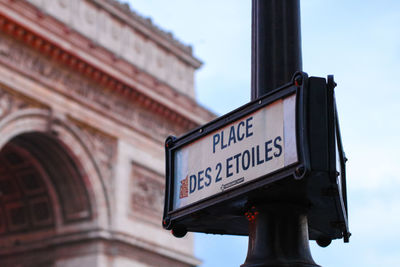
{"x":56,"y":41}
{"x":122,"y":104}
{"x":128,"y":36}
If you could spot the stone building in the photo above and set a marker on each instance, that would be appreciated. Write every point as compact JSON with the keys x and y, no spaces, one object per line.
{"x":89,"y":90}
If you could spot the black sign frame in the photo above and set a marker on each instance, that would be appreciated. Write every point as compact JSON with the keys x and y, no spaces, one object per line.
{"x":189,"y":217}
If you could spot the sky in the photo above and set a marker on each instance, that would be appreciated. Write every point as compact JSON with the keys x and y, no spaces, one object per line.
{"x":359,"y":42}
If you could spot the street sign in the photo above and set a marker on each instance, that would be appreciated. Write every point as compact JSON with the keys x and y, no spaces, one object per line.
{"x":284,"y":146}
{"x":253,"y":146}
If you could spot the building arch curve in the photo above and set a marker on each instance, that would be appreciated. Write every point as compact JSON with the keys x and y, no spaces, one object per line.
{"x":66,"y":161}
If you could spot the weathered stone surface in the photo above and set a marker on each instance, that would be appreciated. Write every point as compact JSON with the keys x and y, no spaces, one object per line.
{"x":75,"y":85}
{"x":126,"y":37}
{"x":81,"y":143}
{"x":147,"y":194}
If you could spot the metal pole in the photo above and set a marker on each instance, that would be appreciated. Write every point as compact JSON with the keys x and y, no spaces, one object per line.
{"x":278,"y":236}
{"x":276,"y":44}
{"x":278,"y":232}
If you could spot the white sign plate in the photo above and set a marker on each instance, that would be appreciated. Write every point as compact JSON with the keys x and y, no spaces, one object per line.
{"x":249,"y":148}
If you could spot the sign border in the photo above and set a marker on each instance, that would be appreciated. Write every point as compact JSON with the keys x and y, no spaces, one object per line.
{"x":298,"y":169}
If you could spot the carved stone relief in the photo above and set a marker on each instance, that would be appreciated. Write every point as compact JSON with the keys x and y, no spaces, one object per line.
{"x":85,"y":19}
{"x":63,"y":3}
{"x":103,"y":148}
{"x":104,"y":29}
{"x":60,"y":7}
{"x":81,"y":88}
{"x":10,"y":102}
{"x":147,"y":193}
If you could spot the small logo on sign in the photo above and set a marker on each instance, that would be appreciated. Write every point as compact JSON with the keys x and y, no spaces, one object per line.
{"x":184,"y":191}
{"x":230,"y":184}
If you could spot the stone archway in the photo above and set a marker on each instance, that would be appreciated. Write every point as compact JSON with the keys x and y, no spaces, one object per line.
{"x":36,"y":162}
{"x":27,"y":203}
{"x":51,"y":190}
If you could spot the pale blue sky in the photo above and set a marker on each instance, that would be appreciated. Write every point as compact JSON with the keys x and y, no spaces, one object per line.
{"x":357,"y":41}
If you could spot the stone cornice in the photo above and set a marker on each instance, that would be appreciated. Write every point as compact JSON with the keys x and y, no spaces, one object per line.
{"x":127,"y":36}
{"x":53,"y":39}
{"x":110,"y":238}
{"x":146,"y":26}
